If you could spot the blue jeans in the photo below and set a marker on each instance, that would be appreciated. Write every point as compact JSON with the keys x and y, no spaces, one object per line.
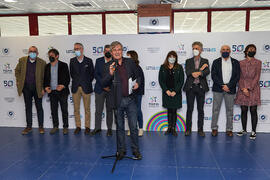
{"x":127,"y":105}
{"x":139,"y":111}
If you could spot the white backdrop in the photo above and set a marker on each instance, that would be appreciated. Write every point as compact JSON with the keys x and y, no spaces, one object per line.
{"x":152,"y":50}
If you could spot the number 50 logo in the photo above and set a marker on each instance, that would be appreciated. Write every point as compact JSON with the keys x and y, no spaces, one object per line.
{"x":238,"y":48}
{"x":8,"y":83}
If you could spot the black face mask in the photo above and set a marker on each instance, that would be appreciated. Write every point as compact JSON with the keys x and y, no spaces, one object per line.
{"x":251,"y":53}
{"x":108,"y":55}
{"x":52,"y":59}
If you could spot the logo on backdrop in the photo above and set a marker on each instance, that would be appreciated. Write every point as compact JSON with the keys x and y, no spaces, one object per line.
{"x":208,"y":118}
{"x":25,"y":51}
{"x":10,"y":114}
{"x":5,"y":51}
{"x":208,"y":101}
{"x":70,"y":51}
{"x":98,"y":50}
{"x":7,"y":69}
{"x":237,"y":118}
{"x":266,"y":67}
{"x":238,"y":48}
{"x":153,"y":50}
{"x":153,"y":85}
{"x":153,"y":102}
{"x":209,"y":49}
{"x":159,"y":122}
{"x":266,"y":48}
{"x":9,"y":99}
{"x":154,"y":22}
{"x":8,"y":83}
{"x":265,"y":101}
{"x":181,"y":50}
{"x":152,"y":68}
{"x":265,"y":85}
{"x":263,"y":117}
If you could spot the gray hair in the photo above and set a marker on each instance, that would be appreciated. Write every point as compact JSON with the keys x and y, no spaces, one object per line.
{"x":80,"y":44}
{"x":197,"y":43}
{"x":116,"y":43}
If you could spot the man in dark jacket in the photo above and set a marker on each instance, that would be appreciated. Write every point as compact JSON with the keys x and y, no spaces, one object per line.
{"x":197,"y":68}
{"x":56,"y":81}
{"x":82,"y":74}
{"x":225,"y":75}
{"x":103,"y":93}
{"x":119,"y":72}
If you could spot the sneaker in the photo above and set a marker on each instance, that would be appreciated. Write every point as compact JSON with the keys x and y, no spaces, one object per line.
{"x":253,"y":135}
{"x":27,"y":130}
{"x":128,"y":133}
{"x":137,"y":155}
{"x":41,"y":130}
{"x":87,"y":131}
{"x":54,"y":130}
{"x":77,"y":130}
{"x":65,"y":131}
{"x":140,"y":132}
{"x":241,"y":133}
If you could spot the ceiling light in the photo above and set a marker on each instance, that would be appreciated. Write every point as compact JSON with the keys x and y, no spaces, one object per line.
{"x":10,"y":1}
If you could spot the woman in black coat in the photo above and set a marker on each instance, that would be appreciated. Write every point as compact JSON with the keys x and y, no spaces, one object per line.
{"x":171,"y":79}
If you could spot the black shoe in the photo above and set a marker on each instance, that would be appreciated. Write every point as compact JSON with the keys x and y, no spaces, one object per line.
{"x":169,"y":130}
{"x":120,"y":155}
{"x":95,"y":131}
{"x":187,"y":133}
{"x":137,"y":155}
{"x":174,"y":133}
{"x":87,"y":131}
{"x":109,"y":132}
{"x":77,"y":130}
{"x":201,"y":133}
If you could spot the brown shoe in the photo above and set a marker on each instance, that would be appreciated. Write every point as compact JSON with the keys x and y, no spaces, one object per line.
{"x":87,"y":131}
{"x":229,"y":133}
{"x":54,"y":130}
{"x":27,"y":130}
{"x":41,"y":130}
{"x":65,"y":131}
{"x":77,"y":130}
{"x":214,"y":132}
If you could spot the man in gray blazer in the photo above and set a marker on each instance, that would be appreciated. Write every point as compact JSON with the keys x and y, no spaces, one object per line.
{"x":197,"y":68}
{"x":118,"y":73}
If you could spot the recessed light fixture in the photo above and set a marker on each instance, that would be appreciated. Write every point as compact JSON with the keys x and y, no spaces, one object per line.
{"x":10,"y":1}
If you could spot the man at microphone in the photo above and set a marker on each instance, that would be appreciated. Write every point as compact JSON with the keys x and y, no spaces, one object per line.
{"x":119,"y":72}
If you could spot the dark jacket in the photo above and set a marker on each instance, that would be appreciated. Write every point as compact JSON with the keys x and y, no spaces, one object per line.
{"x":99,"y":71}
{"x":132,"y":72}
{"x":63,"y":76}
{"x":168,"y":101}
{"x":216,"y":74}
{"x":140,"y":90}
{"x":190,"y":68}
{"x":84,"y":74}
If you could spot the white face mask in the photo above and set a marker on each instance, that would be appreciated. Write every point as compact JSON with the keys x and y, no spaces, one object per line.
{"x":196,"y":52}
{"x":171,"y":60}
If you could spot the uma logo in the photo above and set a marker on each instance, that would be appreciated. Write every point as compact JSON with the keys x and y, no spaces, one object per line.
{"x":263,"y":117}
{"x":266,"y":47}
{"x":5,"y":51}
{"x":236,"y":117}
{"x":209,"y":101}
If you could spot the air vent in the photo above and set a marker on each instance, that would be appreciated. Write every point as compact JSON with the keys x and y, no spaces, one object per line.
{"x":170,"y":1}
{"x":4,"y":7}
{"x":81,"y":4}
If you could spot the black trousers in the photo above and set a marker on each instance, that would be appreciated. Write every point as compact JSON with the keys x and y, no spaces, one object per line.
{"x":29,"y":91}
{"x":195,"y":92}
{"x":254,"y":117}
{"x":55,"y":98}
{"x":172,"y":117}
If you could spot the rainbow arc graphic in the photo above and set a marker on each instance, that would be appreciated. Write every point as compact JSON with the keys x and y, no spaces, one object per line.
{"x":159,"y":122}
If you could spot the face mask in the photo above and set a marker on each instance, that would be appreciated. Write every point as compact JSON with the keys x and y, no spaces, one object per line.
{"x":78,"y":53}
{"x":171,"y":60}
{"x":225,"y":54}
{"x":33,"y":55}
{"x":108,"y":55}
{"x":196,"y":52}
{"x":52,"y":59}
{"x":251,"y":53}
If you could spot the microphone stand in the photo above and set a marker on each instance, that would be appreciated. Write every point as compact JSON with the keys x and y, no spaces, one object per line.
{"x":116,"y":155}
